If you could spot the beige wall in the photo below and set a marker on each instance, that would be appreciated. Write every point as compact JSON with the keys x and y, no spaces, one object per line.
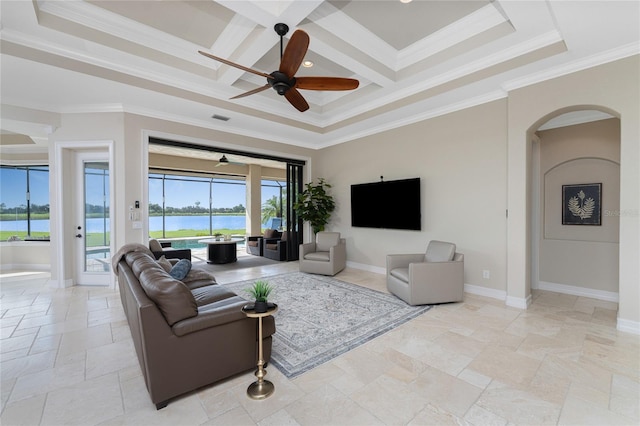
{"x":462,"y":169}
{"x":21,"y":255}
{"x":580,"y":256}
{"x":613,"y":88}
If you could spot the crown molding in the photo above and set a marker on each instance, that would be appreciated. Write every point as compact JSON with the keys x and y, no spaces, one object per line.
{"x":612,"y":55}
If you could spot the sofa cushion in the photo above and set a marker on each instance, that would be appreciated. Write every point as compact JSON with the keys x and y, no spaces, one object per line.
{"x":440,"y":251}
{"x":154,"y":245}
{"x":326,"y":240}
{"x":270,"y":233}
{"x":172,"y":297}
{"x":211,"y":293}
{"x":321,"y":256}
{"x":401,"y":274}
{"x":166,"y":265}
{"x":180,"y":270}
{"x":271,"y":246}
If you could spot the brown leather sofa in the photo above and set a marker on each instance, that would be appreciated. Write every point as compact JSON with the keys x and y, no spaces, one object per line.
{"x":187,"y":334}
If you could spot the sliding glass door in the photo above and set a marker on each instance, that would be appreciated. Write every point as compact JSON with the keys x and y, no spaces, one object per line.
{"x":294,"y":224}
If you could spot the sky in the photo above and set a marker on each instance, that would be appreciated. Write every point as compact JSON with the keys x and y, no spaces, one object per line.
{"x":13,"y":187}
{"x":178,"y":193}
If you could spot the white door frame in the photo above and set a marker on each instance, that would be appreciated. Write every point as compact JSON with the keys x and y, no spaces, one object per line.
{"x":64,"y":156}
{"x":81,"y":276}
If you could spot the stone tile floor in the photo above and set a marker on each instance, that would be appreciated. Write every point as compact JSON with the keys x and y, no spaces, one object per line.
{"x":67,"y":358}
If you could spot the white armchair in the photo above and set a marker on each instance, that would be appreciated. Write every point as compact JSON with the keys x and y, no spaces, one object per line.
{"x":326,"y":256}
{"x":424,"y":279}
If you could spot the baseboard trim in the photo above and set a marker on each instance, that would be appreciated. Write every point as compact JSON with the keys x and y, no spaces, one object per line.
{"x":628,"y":326}
{"x":364,"y":267}
{"x":609,"y":296}
{"x":519,"y":302}
{"x":43,"y":267}
{"x":484,"y":291}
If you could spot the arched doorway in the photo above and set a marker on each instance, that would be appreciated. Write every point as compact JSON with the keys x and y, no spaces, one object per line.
{"x":575,"y":250}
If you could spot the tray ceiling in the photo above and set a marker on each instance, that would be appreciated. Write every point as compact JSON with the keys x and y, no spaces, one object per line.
{"x":414,"y":61}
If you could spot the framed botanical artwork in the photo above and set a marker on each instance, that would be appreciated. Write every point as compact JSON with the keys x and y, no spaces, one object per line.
{"x":582,"y":204}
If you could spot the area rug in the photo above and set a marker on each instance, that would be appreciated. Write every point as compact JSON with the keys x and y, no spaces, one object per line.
{"x":320,"y":318}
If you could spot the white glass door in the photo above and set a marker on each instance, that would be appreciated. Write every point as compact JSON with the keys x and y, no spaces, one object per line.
{"x":93,"y":225}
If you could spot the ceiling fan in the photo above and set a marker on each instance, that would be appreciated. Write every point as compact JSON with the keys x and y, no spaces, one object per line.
{"x":284,"y":81}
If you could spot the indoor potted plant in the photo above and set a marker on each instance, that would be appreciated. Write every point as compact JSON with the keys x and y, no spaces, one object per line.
{"x":315,"y":205}
{"x":260,"y":291}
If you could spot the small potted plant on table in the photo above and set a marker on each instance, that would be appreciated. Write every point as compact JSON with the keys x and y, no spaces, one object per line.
{"x":260,"y":291}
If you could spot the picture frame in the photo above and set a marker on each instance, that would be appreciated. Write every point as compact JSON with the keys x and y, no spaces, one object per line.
{"x":582,"y":204}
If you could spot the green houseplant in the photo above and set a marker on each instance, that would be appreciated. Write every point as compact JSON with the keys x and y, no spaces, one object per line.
{"x":260,"y":291}
{"x":315,"y":205}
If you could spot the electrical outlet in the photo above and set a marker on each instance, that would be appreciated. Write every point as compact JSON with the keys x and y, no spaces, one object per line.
{"x":486,"y":274}
{"x":137,"y":225}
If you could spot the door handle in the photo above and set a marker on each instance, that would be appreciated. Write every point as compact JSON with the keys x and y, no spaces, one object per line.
{"x":78,"y":235}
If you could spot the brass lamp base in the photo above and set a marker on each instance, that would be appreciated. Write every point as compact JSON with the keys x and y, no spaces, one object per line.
{"x":260,"y":390}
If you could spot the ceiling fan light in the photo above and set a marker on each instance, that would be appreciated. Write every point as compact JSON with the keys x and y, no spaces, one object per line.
{"x":281,"y":87}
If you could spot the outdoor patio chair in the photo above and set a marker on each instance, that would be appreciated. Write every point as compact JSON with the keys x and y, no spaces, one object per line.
{"x":168,"y":252}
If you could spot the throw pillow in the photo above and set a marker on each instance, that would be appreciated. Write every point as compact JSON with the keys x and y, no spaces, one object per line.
{"x":166,"y":265}
{"x":154,"y":245}
{"x":180,"y":269}
{"x":269,"y":233}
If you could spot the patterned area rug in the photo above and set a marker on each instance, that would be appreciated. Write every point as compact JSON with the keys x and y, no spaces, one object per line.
{"x":320,"y":318}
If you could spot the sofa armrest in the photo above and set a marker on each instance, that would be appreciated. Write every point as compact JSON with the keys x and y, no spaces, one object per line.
{"x":338,"y":253}
{"x":442,"y":281}
{"x":306,"y":248}
{"x":212,"y":315}
{"x":402,"y":260}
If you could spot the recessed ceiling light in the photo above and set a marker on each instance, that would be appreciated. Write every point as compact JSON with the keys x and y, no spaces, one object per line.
{"x":307,"y":64}
{"x":405,"y":1}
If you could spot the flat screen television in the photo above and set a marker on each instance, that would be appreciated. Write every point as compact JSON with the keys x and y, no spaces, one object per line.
{"x":392,"y":204}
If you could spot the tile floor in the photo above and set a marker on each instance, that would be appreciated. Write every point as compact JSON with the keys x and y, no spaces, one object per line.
{"x":67,"y":358}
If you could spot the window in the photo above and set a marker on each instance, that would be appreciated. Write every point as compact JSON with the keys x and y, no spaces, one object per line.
{"x":24,"y":202}
{"x":274,"y":204}
{"x":193,"y":206}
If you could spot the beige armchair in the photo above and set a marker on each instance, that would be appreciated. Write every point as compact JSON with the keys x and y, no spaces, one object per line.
{"x":326,"y":256}
{"x":424,"y":279}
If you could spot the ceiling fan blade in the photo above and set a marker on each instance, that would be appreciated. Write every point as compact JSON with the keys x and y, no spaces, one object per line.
{"x":294,"y":53}
{"x":252,"y":92}
{"x":295,"y":98}
{"x":326,"y":83}
{"x":233,"y":64}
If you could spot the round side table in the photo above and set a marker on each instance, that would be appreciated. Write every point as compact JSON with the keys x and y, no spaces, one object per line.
{"x":261,"y":388}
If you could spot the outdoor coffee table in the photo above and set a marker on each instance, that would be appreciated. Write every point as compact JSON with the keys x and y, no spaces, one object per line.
{"x":221,"y":251}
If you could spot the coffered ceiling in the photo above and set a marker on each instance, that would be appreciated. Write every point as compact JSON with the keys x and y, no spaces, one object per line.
{"x":414,"y":61}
